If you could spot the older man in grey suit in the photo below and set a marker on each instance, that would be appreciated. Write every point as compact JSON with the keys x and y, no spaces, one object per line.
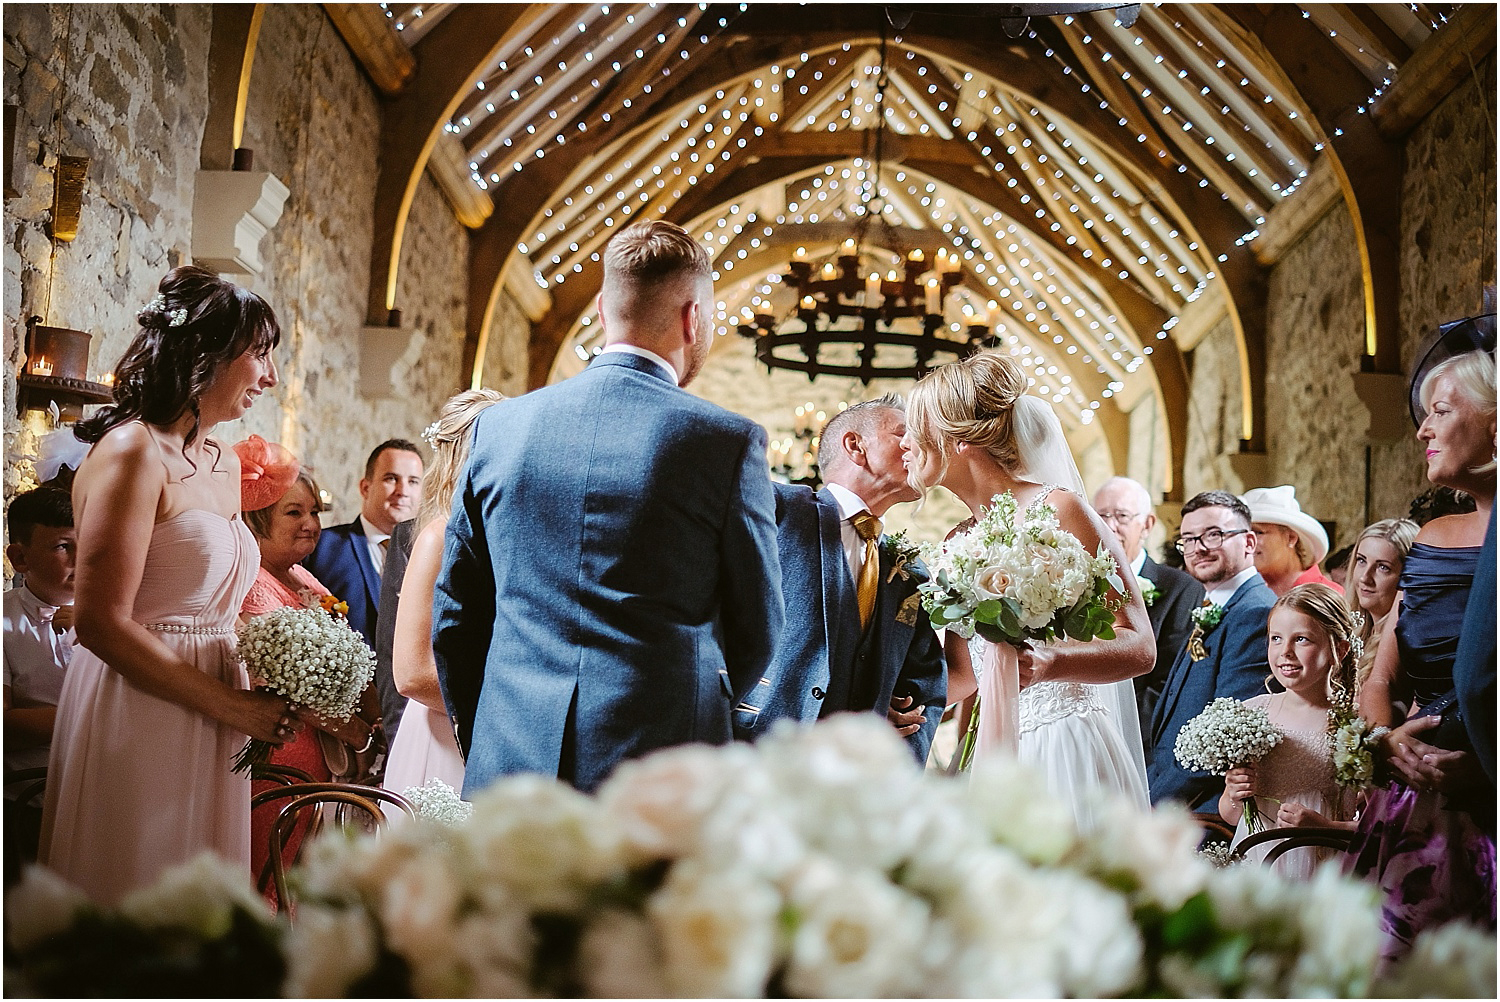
{"x":610,"y":580}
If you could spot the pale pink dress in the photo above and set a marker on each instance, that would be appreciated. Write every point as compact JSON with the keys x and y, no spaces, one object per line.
{"x":137,"y":784}
{"x":424,"y":750}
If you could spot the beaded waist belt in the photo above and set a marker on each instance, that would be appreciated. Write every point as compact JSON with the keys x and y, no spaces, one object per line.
{"x":201,"y":631}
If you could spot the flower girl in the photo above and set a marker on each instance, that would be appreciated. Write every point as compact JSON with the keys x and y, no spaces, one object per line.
{"x":1310,"y":647}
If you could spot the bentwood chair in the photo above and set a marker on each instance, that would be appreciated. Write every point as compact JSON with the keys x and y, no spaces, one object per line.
{"x":1294,"y":838}
{"x":345,"y":799}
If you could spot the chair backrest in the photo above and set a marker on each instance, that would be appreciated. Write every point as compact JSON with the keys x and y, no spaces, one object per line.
{"x":1214,"y":826}
{"x":286,"y":775}
{"x":24,"y":785}
{"x":1294,"y":838}
{"x":299,"y":797}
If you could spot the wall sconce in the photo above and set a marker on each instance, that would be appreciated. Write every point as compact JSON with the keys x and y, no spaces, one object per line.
{"x":56,"y":371}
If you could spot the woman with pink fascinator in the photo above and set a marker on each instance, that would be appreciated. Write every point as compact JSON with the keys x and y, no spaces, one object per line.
{"x":281,"y":504}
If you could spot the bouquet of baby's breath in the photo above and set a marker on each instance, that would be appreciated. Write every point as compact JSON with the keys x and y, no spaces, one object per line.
{"x":1352,"y":741}
{"x":313,"y":659}
{"x":436,"y":801}
{"x":1019,"y":577}
{"x":1228,"y":734}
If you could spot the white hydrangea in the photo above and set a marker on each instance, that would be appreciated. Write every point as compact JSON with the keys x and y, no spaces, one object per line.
{"x":199,"y":896}
{"x":1455,"y":961}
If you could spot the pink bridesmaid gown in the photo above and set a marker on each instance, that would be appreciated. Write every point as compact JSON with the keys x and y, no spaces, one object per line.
{"x":137,"y":784}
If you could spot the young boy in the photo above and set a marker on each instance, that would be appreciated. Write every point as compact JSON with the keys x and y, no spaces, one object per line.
{"x":38,"y":645}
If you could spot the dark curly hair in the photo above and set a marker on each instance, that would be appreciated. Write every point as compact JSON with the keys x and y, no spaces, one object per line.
{"x":198,"y":324}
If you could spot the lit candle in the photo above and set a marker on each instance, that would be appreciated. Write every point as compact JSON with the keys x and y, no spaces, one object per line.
{"x":891,"y":276}
{"x":849,"y":246}
{"x":41,"y":367}
{"x":829,"y":272}
{"x":808,"y":303}
{"x":942,"y":260}
{"x":915,"y":255}
{"x":800,"y":255}
{"x":872,"y":290}
{"x":108,"y":379}
{"x":933,"y":302}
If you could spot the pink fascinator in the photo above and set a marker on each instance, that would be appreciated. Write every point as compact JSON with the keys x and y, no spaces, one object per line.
{"x":267,"y":472}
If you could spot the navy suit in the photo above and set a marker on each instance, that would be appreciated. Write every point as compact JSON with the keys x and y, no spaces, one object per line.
{"x":610,"y":583}
{"x":341,"y":562}
{"x":1178,"y":594}
{"x":1236,"y":667}
{"x":1474,"y":664}
{"x":825,"y":664}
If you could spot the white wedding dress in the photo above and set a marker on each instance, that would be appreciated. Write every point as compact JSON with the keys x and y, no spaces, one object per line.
{"x":1085,"y":740}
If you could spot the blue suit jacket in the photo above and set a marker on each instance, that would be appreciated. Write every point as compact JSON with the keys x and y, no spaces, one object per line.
{"x":341,"y":562}
{"x":823,"y":664}
{"x":610,"y":583}
{"x":1236,"y":667}
{"x":1474,"y":664}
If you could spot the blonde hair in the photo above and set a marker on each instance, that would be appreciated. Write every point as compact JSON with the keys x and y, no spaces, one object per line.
{"x":449,"y":437}
{"x":973,"y":401}
{"x":1473,"y":375}
{"x":1400,"y":533}
{"x":1326,"y":607}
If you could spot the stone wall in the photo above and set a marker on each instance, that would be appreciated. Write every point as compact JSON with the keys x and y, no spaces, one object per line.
{"x":132,"y":86}
{"x":1213,"y":412}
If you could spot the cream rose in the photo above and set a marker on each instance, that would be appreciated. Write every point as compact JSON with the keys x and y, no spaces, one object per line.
{"x":993,"y":582}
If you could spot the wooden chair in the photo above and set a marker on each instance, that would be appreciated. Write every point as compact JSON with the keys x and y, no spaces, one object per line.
{"x":299,"y":797}
{"x":1214,"y":827}
{"x":1294,"y":838}
{"x":286,"y":775}
{"x":22,"y":785}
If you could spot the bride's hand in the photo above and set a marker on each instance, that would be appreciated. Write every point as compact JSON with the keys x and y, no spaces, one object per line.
{"x":1033,"y":664}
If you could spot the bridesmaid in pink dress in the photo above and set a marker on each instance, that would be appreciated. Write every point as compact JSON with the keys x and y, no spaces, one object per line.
{"x":155,"y":704}
{"x":424,"y":747}
{"x":281,"y":508}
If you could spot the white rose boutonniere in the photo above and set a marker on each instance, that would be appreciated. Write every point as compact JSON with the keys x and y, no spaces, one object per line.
{"x":1149,"y":592}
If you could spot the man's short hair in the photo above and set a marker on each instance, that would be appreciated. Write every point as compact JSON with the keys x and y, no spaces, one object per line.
{"x":49,"y":506}
{"x":399,"y":444}
{"x":1220,"y":499}
{"x":858,"y":418}
{"x":1137,"y":489}
{"x":644,"y":254}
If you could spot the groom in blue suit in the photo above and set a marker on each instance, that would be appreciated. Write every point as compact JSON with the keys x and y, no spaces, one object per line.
{"x":1226,"y":658}
{"x":610,"y":583}
{"x":836,"y":656}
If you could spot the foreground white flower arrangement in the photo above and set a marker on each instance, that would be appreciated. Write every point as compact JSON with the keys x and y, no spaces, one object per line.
{"x":312,"y":658}
{"x":820,"y":862}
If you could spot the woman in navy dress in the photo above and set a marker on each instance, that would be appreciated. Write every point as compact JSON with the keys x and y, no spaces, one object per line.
{"x":1428,"y":837}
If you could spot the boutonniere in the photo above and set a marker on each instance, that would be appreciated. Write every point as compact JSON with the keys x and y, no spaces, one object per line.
{"x":327,"y":603}
{"x":1206,"y":617}
{"x":901,"y":552}
{"x":1149,"y":592}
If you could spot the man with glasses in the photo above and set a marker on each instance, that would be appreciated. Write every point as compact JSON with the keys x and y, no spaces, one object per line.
{"x":1225,"y":655}
{"x":1171,"y":595}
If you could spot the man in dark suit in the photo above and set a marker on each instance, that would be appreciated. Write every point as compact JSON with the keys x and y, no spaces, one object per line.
{"x":1171,"y":595}
{"x":1223,"y":658}
{"x":349,"y":558}
{"x":392,"y":703}
{"x":839,"y":653}
{"x":610,"y":583}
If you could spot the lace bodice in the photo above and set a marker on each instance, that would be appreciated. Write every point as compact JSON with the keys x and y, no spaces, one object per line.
{"x":1043,"y":702}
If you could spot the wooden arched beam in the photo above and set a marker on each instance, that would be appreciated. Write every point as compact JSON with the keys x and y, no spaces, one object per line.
{"x":231,"y":47}
{"x":451,"y":59}
{"x":765,"y":39}
{"x":1368,"y":165}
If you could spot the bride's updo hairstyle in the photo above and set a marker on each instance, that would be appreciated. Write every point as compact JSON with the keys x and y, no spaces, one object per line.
{"x":197,"y":324}
{"x":973,"y":401}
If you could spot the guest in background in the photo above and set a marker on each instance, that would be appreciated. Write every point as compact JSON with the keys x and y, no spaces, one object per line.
{"x":281,"y":506}
{"x":349,"y":558}
{"x":1226,"y":653}
{"x":1374,"y":578}
{"x":38,"y":646}
{"x":424,"y":747}
{"x":155,"y":705}
{"x":1311,"y":648}
{"x":1337,"y":566}
{"x":1427,"y":838}
{"x":1436,"y":502}
{"x":397,"y":553}
{"x":1171,"y":595}
{"x":1289,"y":543}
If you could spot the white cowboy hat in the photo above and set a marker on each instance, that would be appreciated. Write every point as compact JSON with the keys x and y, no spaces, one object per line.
{"x":1278,"y":506}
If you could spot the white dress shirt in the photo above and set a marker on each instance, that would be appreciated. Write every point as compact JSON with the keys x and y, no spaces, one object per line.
{"x":850,"y":504}
{"x":36,"y":657}
{"x":1220,"y":594}
{"x":373,"y":539}
{"x":650,"y":356}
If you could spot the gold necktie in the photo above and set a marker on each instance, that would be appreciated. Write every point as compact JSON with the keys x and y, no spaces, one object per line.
{"x":868,"y":527}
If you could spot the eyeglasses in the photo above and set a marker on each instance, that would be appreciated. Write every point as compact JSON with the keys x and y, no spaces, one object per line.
{"x":1210,"y":540}
{"x":1119,"y":516}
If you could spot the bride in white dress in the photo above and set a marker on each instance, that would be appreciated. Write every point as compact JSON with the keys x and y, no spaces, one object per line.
{"x":973,"y":429}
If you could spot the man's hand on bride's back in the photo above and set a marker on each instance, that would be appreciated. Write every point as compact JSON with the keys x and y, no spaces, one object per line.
{"x":907,"y":719}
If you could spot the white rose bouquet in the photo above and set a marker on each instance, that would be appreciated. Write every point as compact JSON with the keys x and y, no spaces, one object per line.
{"x":310,"y":657}
{"x":1225,"y":735}
{"x":1018,"y":577}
